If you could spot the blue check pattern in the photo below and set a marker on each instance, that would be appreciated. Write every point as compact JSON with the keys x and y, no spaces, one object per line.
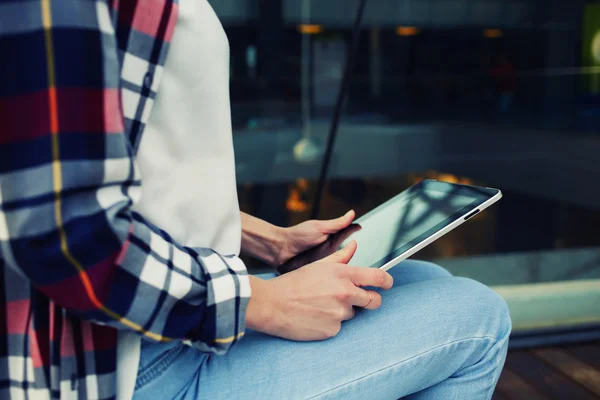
{"x":78,"y":80}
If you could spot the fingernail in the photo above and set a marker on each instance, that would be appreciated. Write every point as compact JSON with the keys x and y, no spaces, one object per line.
{"x":348,"y":213}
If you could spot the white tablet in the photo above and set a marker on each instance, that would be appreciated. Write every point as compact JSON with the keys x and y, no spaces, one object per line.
{"x":404,"y":224}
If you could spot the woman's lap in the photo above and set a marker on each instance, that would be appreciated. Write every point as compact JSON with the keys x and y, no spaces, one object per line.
{"x":408,"y":271}
{"x":430,"y":326}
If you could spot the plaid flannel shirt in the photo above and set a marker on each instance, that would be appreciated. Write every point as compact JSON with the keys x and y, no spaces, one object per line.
{"x":78,"y":79}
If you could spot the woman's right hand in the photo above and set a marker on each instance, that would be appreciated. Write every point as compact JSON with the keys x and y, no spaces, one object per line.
{"x":311,"y":302}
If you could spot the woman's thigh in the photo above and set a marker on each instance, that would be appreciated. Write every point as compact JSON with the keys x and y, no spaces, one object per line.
{"x":429,"y":326}
{"x":412,"y":271}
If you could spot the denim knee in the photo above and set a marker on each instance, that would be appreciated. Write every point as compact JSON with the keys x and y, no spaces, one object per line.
{"x":410,"y":271}
{"x":431,"y":269}
{"x":483,"y":299}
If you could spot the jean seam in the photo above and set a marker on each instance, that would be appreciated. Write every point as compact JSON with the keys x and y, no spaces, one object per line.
{"x":495,"y":347}
{"x":149,"y":373}
{"x":499,"y":343}
{"x":404,"y":361}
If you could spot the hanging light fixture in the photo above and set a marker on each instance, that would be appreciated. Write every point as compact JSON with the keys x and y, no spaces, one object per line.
{"x":308,"y":149}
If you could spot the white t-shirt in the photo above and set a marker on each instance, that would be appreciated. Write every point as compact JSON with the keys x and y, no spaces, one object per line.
{"x":186,"y":154}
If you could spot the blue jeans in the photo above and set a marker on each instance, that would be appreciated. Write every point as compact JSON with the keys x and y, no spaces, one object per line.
{"x":435,"y":337}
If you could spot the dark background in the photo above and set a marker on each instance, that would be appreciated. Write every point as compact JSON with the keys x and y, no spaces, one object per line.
{"x":428,"y":105}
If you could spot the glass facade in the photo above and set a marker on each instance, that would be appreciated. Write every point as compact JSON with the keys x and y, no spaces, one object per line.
{"x":493,"y":92}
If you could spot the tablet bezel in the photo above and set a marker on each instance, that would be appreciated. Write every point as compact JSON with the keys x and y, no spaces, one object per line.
{"x":483,"y":198}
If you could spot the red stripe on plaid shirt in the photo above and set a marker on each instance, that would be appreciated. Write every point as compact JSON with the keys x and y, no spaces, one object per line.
{"x":71,"y":293}
{"x":146,"y":19}
{"x":77,"y":113}
{"x":16,"y":124}
{"x":39,"y":347}
{"x":94,"y":338}
{"x":16,"y":316}
{"x":78,"y":110}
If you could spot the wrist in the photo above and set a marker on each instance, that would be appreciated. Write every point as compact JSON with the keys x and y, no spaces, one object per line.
{"x":262,"y":240}
{"x":278,"y":243}
{"x":283,"y":235}
{"x":261,"y":311}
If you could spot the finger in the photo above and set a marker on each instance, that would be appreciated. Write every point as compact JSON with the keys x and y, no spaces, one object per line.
{"x":349,"y":314}
{"x":353,"y":228}
{"x":367,"y":299}
{"x":335,"y":225}
{"x":376,"y":301}
{"x":371,"y":277}
{"x":344,"y":255}
{"x":344,"y":234}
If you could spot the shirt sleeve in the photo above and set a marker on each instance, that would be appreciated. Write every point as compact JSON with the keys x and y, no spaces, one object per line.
{"x":68,"y":181}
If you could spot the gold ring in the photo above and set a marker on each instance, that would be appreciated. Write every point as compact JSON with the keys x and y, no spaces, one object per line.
{"x":370,"y":299}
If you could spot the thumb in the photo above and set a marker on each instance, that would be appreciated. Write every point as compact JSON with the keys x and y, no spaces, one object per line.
{"x":335,"y":225}
{"x":344,"y":255}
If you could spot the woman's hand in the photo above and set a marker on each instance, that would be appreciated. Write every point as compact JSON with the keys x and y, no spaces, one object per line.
{"x":306,"y":235}
{"x":311,"y":303}
{"x":320,"y":251}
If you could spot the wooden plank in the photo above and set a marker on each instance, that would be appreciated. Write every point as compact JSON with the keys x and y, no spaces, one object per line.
{"x":577,"y":370}
{"x":552,"y":383}
{"x":588,"y":353}
{"x":511,"y":386}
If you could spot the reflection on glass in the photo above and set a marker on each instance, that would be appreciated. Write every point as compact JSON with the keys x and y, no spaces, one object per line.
{"x":493,"y":92}
{"x":404,"y":221}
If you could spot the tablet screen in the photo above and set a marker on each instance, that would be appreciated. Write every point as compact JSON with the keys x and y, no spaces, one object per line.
{"x":400,"y":224}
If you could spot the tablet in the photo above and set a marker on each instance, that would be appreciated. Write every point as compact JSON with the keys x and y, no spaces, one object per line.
{"x":404,"y":224}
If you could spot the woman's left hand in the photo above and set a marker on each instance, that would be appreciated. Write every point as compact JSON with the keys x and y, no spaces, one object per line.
{"x":311,"y":233}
